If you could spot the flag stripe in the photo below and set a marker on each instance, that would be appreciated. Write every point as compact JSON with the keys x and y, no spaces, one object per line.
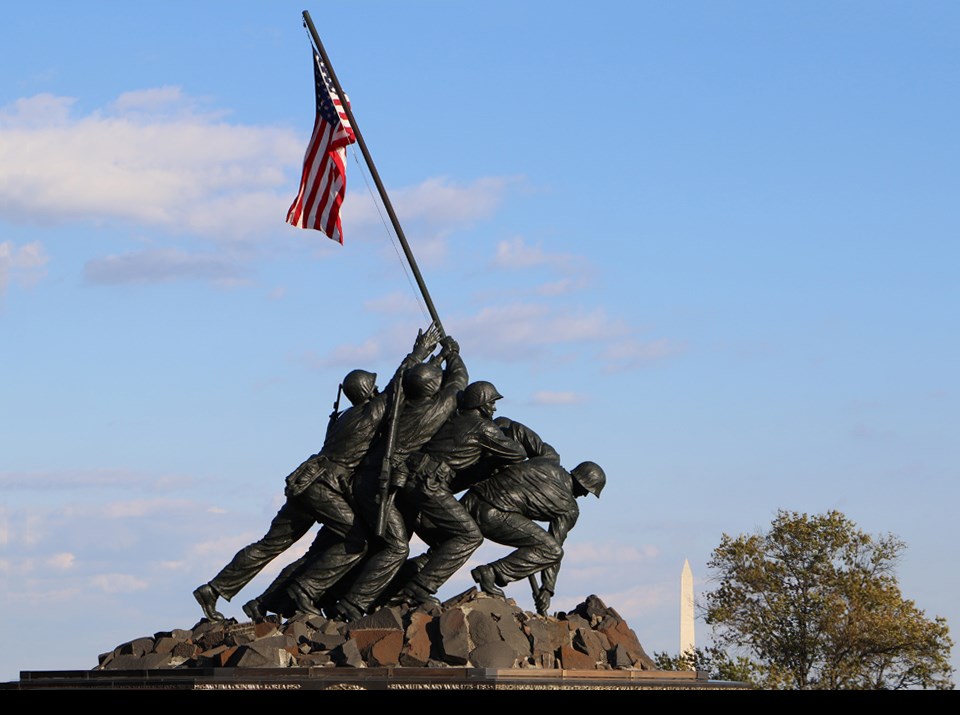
{"x":323,"y":182}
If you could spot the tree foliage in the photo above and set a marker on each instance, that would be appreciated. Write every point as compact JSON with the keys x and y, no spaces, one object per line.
{"x":716,"y":663}
{"x":813,"y":603}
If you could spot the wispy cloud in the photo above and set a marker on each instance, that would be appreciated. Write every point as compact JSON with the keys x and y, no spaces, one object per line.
{"x":433,"y":210}
{"x":631,"y":353}
{"x":557,"y":398}
{"x":62,"y":561}
{"x":393,"y":304}
{"x":159,"y":101}
{"x":162,"y":265}
{"x":134,"y":508}
{"x":604,"y":553}
{"x":442,"y":202}
{"x":517,"y":253}
{"x":367,"y":353}
{"x":118,"y":583}
{"x":86,"y":480}
{"x":517,"y":331}
{"x":562,"y":286}
{"x":26,"y":262}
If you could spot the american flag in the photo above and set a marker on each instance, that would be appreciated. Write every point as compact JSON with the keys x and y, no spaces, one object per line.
{"x":324,"y":180}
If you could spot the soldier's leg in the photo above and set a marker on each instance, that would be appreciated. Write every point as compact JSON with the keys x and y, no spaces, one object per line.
{"x":287,"y":527}
{"x":274,"y":598}
{"x":455,"y":537}
{"x":386,"y":556}
{"x":341,"y":543}
{"x":536,"y":548}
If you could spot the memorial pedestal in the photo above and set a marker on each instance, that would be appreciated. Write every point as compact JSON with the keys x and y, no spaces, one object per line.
{"x":339,"y":679}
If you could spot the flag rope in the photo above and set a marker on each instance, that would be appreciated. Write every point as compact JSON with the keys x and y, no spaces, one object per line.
{"x":391,"y":236}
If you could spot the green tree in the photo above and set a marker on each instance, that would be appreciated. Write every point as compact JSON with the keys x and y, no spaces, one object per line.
{"x":813,"y":603}
{"x":715,"y":662}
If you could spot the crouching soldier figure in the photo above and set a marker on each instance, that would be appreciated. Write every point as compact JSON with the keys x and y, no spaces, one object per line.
{"x":506,"y":507}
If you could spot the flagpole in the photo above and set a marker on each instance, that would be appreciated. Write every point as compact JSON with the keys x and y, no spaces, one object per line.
{"x":373,"y":171}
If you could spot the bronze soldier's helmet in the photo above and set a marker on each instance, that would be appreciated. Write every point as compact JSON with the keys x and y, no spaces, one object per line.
{"x":590,"y":476}
{"x":359,"y":385}
{"x":422,"y":380}
{"x":478,"y":393}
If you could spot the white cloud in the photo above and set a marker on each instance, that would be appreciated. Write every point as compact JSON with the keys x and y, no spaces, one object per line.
{"x":518,"y":254}
{"x":630,"y":354}
{"x":608,"y":553}
{"x":557,"y":398}
{"x":61,"y":562}
{"x":118,"y":583}
{"x":513,"y":332}
{"x":42,"y":110}
{"x":516,"y":332}
{"x":432,"y":211}
{"x":366,"y":353}
{"x":25,"y":262}
{"x":393,"y":304}
{"x":152,"y":160}
{"x":85,"y":479}
{"x":128,"y":509}
{"x":152,"y":100}
{"x":148,"y":158}
{"x":562,"y":286}
{"x":32,"y":530}
{"x":160,"y":266}
{"x":440,"y":201}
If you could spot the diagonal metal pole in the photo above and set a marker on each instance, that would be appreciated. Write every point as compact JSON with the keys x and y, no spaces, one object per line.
{"x":373,"y":171}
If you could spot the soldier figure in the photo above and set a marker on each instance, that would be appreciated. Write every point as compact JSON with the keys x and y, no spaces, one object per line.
{"x":506,"y":507}
{"x":468,"y":438}
{"x":318,"y":491}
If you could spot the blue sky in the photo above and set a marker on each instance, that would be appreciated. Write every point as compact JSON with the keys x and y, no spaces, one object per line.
{"x":710,"y":246}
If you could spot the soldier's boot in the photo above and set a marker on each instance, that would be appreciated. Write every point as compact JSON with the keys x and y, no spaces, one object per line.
{"x":206,"y":596}
{"x":416,"y":594}
{"x":253,"y":610}
{"x":302,"y":601}
{"x":344,"y":610}
{"x":487,"y":579}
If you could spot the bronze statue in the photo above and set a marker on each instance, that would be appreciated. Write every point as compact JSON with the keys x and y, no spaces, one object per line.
{"x":319,"y":491}
{"x":390,"y":466}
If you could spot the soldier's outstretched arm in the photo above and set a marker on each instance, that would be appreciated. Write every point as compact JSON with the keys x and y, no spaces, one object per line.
{"x":530,"y":440}
{"x":502,"y":448}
